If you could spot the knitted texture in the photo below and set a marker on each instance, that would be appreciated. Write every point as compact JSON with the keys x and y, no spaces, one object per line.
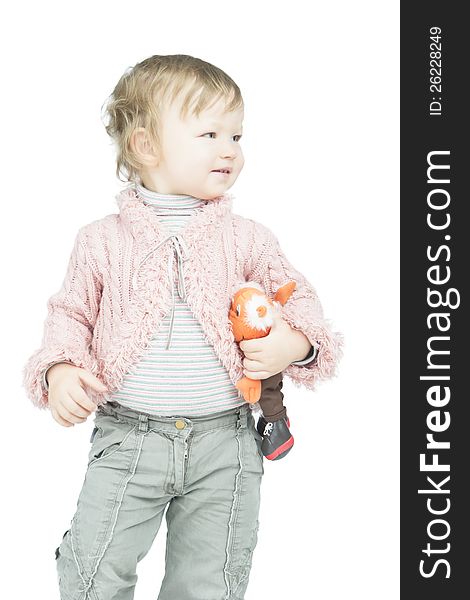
{"x":99,"y":322}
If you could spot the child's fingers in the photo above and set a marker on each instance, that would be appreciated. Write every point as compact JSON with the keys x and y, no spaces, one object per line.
{"x":250,"y":346}
{"x":71,"y":411}
{"x":90,"y":380}
{"x":81,"y":399}
{"x":64,"y":416}
{"x":60,"y":419}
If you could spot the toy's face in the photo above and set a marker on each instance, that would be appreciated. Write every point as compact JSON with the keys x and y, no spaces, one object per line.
{"x":251,"y":314}
{"x":194,"y":149}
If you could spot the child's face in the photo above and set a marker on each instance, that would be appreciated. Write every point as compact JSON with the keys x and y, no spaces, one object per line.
{"x":193,"y":148}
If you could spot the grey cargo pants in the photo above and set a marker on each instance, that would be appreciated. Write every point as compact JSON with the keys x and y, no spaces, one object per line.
{"x":206,"y":470}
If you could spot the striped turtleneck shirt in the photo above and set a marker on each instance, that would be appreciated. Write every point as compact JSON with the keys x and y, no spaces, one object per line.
{"x":184,"y":377}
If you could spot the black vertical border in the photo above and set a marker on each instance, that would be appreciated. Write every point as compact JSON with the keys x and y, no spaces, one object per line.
{"x":420,"y":134}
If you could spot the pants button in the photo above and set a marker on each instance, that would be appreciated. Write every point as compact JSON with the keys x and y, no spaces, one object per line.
{"x":180,"y":424}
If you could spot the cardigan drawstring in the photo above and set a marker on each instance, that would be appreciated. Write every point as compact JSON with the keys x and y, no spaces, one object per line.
{"x":181,"y":251}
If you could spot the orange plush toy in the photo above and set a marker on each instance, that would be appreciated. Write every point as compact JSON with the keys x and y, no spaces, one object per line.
{"x":251,"y":315}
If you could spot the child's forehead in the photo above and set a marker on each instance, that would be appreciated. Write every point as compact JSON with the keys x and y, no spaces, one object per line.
{"x":215,"y":111}
{"x":219,"y":117}
{"x":217,"y":114}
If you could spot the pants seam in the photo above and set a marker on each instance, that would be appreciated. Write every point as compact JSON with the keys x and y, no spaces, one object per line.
{"x":130,"y":473}
{"x":233,"y":514}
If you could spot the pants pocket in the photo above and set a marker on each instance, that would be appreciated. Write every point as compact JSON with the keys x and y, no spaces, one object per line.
{"x":57,"y":550}
{"x":58,"y":561}
{"x":109,"y":435}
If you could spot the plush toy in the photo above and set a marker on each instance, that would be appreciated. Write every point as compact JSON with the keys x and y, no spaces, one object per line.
{"x":251,"y":314}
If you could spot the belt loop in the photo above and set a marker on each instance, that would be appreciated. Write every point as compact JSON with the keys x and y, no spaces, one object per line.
{"x":237,"y":412}
{"x":143,"y":423}
{"x":241,"y":421}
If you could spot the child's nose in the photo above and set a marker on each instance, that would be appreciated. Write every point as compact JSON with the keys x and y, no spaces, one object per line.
{"x":230,"y":155}
{"x":228,"y":151}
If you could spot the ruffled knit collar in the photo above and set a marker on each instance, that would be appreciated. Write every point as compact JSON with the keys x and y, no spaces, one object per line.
{"x":167,"y":204}
{"x":145,"y":225}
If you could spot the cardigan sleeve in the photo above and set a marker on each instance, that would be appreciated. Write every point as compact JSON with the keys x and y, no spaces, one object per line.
{"x":270,"y":267}
{"x":68,"y":327}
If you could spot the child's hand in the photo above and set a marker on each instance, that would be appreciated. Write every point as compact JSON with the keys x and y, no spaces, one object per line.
{"x":68,"y":401}
{"x":272,"y":354}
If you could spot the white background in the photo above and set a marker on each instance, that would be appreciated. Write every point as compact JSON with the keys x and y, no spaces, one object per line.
{"x":320,"y":84}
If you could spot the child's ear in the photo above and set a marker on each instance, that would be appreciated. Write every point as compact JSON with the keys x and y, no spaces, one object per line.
{"x":142,"y":147}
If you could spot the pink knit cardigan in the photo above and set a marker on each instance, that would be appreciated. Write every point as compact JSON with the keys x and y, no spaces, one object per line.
{"x":100,"y":322}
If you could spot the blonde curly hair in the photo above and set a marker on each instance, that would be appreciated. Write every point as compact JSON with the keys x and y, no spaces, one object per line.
{"x":144,"y":89}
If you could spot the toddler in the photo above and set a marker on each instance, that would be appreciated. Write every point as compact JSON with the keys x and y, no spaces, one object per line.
{"x":139,"y":333}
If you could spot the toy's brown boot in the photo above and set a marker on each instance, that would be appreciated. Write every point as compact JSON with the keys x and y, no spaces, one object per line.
{"x":277,"y":438}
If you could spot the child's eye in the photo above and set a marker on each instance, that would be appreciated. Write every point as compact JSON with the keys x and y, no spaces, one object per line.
{"x":213,"y":133}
